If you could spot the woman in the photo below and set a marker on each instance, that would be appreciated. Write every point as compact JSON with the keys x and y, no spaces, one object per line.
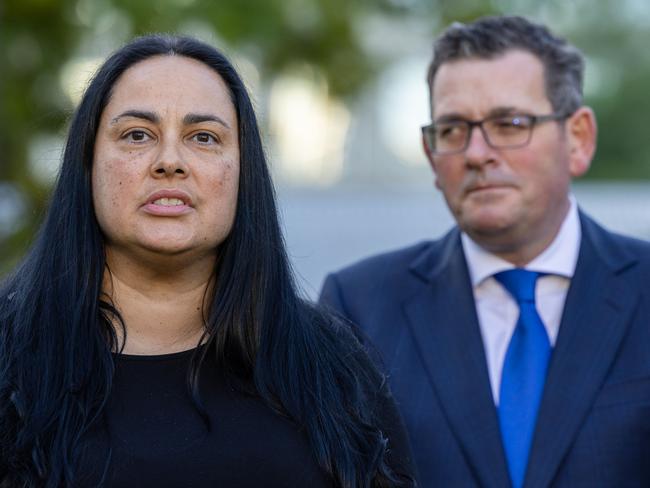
{"x":153,"y":336}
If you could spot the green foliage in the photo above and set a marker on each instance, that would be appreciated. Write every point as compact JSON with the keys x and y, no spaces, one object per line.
{"x":38,"y":38}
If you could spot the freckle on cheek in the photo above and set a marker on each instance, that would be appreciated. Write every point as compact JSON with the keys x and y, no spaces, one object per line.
{"x":228,"y":170}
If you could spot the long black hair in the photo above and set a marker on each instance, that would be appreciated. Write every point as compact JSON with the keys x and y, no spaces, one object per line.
{"x":57,"y":334}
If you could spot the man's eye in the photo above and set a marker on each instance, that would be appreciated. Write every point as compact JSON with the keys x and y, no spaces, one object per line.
{"x":204,"y":138}
{"x":444,"y":131}
{"x":512,"y":123}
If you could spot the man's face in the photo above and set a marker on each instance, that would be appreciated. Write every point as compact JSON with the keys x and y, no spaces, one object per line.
{"x":504,"y":198}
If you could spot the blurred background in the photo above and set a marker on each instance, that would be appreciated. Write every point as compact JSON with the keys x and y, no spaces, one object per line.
{"x":339,"y":87}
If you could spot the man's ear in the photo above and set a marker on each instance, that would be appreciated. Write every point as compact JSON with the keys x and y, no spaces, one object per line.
{"x":432,"y":161}
{"x":581,"y":132}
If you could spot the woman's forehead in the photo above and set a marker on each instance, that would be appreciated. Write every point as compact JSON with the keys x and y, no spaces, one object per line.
{"x":170,"y":84}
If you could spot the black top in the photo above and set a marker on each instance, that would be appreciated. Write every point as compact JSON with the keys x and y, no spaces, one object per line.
{"x":158,"y":437}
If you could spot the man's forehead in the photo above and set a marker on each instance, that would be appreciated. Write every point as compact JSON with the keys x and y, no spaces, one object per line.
{"x":476,"y":85}
{"x":520,"y":54}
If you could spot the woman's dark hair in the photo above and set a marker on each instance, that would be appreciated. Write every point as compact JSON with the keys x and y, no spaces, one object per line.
{"x":57,"y":334}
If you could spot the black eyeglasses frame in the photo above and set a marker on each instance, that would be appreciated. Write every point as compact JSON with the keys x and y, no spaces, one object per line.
{"x":428,"y":131}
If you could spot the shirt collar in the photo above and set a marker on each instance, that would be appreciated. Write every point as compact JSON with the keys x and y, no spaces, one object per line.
{"x":559,"y":258}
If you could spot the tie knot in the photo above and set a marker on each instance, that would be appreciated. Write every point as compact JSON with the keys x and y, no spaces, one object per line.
{"x":520,"y":283}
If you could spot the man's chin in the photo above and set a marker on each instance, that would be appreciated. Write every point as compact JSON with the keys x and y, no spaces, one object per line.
{"x":487,"y":228}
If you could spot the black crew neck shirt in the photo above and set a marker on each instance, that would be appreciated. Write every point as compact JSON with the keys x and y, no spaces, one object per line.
{"x":157,"y":438}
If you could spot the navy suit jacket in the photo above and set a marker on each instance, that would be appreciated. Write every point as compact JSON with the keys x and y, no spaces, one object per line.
{"x":593,"y":429}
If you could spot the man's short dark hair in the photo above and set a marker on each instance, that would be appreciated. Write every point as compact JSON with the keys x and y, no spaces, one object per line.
{"x":490,"y":37}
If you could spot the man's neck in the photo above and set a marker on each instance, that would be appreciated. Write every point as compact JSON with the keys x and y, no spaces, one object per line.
{"x":559,"y":258}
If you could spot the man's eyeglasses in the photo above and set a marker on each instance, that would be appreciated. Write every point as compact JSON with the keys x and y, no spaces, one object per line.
{"x":500,"y":132}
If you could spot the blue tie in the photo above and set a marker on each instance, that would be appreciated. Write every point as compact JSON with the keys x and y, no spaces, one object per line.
{"x":524,"y":373}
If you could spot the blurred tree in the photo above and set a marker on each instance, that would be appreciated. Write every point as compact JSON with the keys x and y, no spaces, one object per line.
{"x":40,"y":38}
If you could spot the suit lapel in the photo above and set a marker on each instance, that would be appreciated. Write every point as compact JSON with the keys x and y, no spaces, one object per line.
{"x":442,"y":317}
{"x":598,"y":307}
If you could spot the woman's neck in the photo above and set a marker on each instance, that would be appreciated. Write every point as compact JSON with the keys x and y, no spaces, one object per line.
{"x":163,"y":311}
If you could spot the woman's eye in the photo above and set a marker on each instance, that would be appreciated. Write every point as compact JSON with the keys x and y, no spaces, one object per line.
{"x":137,"y":136}
{"x":204,"y":138}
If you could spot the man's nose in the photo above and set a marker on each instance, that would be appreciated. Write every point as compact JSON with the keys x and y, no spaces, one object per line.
{"x":478,"y":151}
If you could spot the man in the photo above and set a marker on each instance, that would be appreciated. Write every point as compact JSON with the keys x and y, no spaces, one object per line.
{"x":518,"y":345}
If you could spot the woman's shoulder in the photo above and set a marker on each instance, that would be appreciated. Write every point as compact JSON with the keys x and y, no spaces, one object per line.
{"x":345,"y":340}
{"x":361,"y":361}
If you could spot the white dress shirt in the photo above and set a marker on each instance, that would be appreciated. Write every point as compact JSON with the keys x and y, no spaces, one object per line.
{"x":496,"y":309}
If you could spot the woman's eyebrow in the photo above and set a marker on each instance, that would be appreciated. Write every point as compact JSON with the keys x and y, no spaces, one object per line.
{"x":138,"y":114}
{"x":192,"y":118}
{"x":189,"y":119}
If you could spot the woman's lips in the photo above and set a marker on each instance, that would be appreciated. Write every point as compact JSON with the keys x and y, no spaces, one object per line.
{"x":158,"y":209}
{"x":169,"y":202}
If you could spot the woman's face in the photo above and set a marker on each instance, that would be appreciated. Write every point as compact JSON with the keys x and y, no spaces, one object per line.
{"x":166,"y":163}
